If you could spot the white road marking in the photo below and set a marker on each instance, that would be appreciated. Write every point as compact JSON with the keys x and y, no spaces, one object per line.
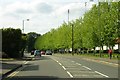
{"x":26,"y":62}
{"x":60,"y":64}
{"x":63,"y":67}
{"x":72,"y":61}
{"x":78,"y":63}
{"x":102,"y":74}
{"x":16,"y":72}
{"x":70,"y":74}
{"x":86,"y":67}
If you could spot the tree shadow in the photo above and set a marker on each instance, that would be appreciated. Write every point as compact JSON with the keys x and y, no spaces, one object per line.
{"x":33,"y":78}
{"x":30,"y":67}
{"x":9,"y":65}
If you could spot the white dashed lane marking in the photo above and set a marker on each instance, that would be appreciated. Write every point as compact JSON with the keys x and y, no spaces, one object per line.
{"x":60,"y":64}
{"x":78,"y":70}
{"x":78,"y":64}
{"x":70,"y":74}
{"x":63,"y":67}
{"x":86,"y":67}
{"x":102,"y":74}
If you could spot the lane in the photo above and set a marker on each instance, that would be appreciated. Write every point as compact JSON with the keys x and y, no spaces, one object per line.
{"x":75,"y":70}
{"x":43,"y":67}
{"x":87,"y":69}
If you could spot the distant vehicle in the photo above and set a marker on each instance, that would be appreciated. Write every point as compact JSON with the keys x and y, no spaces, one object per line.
{"x":37,"y":53}
{"x":48,"y":52}
{"x":42,"y":52}
{"x":32,"y":52}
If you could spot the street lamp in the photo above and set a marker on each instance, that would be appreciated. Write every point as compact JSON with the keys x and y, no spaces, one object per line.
{"x":72,"y":39}
{"x":24,"y":24}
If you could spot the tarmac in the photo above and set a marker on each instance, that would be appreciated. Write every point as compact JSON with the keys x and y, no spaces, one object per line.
{"x":10,"y":65}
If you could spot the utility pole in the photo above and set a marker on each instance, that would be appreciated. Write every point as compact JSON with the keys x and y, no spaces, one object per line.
{"x":72,"y":39}
{"x":68,"y":16}
{"x":23,"y":23}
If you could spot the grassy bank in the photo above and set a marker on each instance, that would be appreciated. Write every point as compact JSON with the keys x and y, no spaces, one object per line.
{"x":103,"y":55}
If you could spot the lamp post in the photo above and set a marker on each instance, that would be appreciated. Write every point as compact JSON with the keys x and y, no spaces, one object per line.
{"x":72,"y":39}
{"x":24,"y":24}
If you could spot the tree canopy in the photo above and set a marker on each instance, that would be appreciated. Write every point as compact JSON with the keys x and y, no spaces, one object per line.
{"x":98,"y":27}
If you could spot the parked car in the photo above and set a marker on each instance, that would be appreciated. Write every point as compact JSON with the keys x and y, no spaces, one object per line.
{"x":32,"y":52}
{"x":48,"y":52}
{"x":37,"y":53}
{"x":42,"y":52}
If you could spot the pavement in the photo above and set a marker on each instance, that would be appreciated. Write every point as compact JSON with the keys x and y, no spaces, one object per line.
{"x":10,"y":65}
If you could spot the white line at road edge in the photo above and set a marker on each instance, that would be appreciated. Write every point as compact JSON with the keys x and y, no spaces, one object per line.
{"x":70,"y":74}
{"x":102,"y":74}
{"x":16,"y":72}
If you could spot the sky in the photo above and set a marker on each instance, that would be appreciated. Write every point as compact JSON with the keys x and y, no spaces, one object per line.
{"x":43,"y":15}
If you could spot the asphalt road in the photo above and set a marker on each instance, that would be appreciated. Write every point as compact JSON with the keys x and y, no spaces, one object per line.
{"x":56,"y":67}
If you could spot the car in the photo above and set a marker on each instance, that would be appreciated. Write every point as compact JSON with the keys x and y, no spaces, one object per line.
{"x":32,"y":52}
{"x":48,"y":52}
{"x":37,"y":53}
{"x":42,"y":52}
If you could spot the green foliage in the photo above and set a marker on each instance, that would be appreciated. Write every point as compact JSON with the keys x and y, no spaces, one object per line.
{"x":11,"y":41}
{"x":31,"y":38}
{"x":98,"y":27}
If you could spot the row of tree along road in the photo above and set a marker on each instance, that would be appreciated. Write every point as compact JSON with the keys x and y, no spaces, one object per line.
{"x":14,"y":42}
{"x":99,"y":27}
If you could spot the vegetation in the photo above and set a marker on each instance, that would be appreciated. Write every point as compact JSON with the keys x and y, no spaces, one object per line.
{"x":31,"y":38}
{"x":98,"y":27}
{"x":13,"y":42}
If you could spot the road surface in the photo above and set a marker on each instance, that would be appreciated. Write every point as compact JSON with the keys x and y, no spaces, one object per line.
{"x":56,"y":67}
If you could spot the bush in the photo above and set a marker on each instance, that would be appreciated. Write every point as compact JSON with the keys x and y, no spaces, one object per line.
{"x":11,"y":42}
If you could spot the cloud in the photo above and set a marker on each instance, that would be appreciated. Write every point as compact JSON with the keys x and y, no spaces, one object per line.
{"x":23,"y":11}
{"x":43,"y":14}
{"x":44,"y":8}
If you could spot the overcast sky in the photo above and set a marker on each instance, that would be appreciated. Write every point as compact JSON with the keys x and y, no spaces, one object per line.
{"x":43,"y":14}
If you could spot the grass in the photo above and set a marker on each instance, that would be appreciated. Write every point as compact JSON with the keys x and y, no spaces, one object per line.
{"x":97,"y":55}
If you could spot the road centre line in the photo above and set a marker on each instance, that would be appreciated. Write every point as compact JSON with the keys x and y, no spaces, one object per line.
{"x":60,"y":64}
{"x":70,"y":74}
{"x":63,"y":67}
{"x":102,"y":74}
{"x":86,"y":67}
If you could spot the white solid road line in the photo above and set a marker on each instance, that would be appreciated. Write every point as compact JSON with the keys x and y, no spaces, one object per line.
{"x":102,"y":74}
{"x":70,"y":74}
{"x":86,"y":67}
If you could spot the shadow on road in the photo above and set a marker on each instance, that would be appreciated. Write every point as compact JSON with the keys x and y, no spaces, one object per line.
{"x":54,"y":78}
{"x":31,"y":67}
{"x":33,"y":78}
{"x":42,"y":58}
{"x":9,"y":65}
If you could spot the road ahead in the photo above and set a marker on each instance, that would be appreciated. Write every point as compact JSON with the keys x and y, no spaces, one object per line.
{"x":56,"y":67}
